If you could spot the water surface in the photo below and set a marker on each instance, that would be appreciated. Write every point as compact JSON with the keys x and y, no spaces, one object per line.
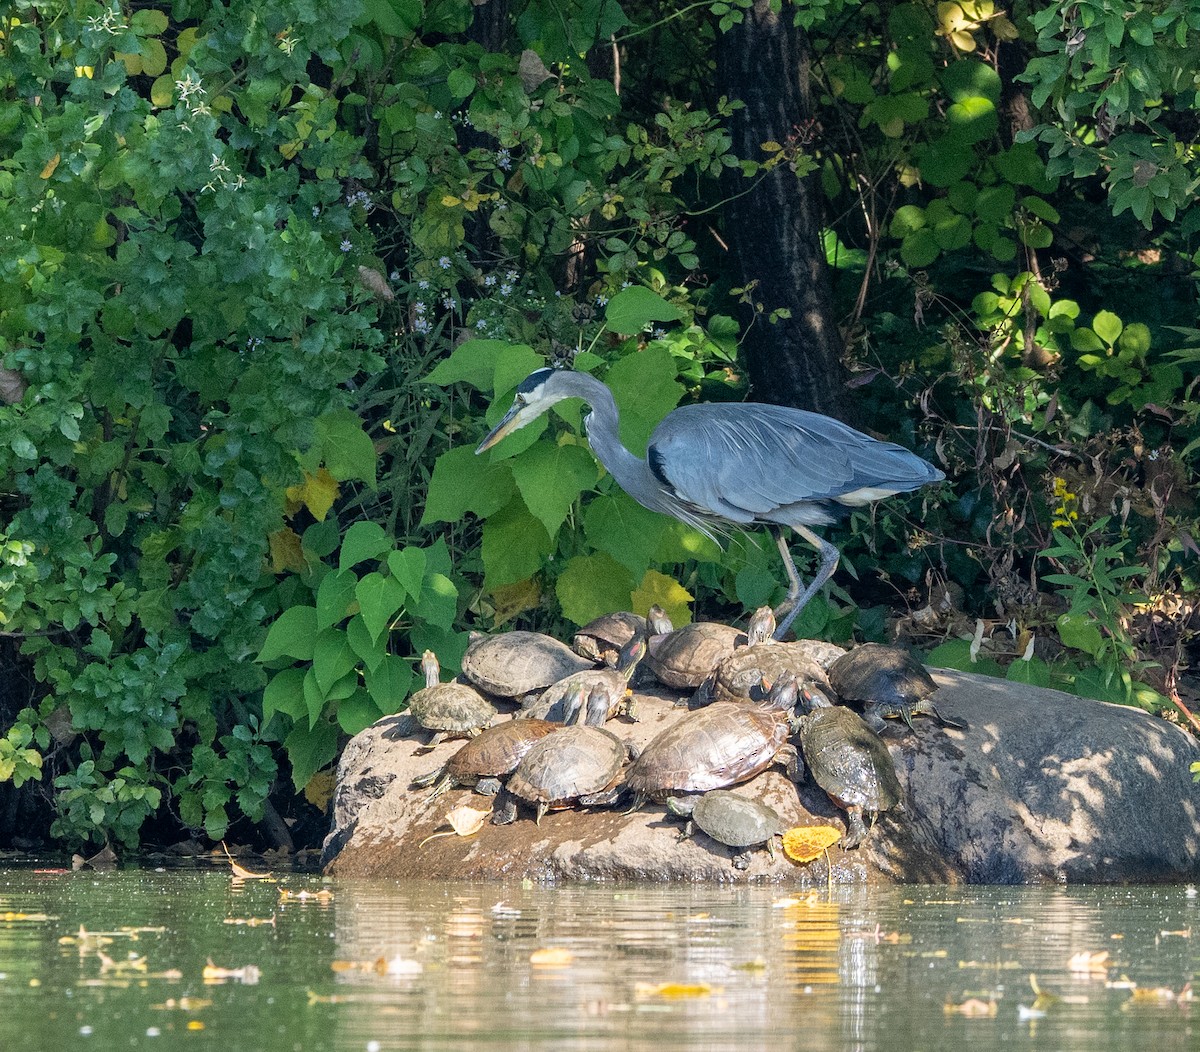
{"x":118,"y":960}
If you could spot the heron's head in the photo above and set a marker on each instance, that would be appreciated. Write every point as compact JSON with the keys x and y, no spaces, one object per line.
{"x":535,"y":394}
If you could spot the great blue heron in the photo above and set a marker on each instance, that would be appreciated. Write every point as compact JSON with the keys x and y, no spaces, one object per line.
{"x":725,"y":464}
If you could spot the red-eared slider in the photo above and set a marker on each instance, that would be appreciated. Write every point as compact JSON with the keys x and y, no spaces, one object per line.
{"x":731,"y":819}
{"x":518,"y":663}
{"x":577,"y":764}
{"x":738,"y":677}
{"x":488,"y":757}
{"x":849,"y":761}
{"x":559,"y":701}
{"x":724,"y":744}
{"x":602,"y":638}
{"x":450,"y":710}
{"x":657,"y":621}
{"x":683,"y":658}
{"x":889,"y":682}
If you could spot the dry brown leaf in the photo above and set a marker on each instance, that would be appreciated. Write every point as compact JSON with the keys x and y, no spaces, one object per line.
{"x":551,"y":957}
{"x":1089,"y":962}
{"x":247,"y":973}
{"x":673,"y":990}
{"x":805,"y":843}
{"x":241,"y":872}
{"x":463,"y":821}
{"x":972,"y":1007}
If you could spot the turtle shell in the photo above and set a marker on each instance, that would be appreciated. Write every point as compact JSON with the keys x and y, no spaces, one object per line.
{"x":451,"y":708}
{"x":721,"y":745}
{"x":551,"y":705}
{"x":877,"y":675}
{"x":735,"y":820}
{"x":849,"y":760}
{"x":744,"y":670}
{"x":518,"y":663}
{"x":684,"y":658}
{"x":573,"y":762}
{"x":602,"y":638}
{"x":497,"y":751}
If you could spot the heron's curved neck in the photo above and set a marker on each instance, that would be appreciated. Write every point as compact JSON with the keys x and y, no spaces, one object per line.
{"x":629,"y":470}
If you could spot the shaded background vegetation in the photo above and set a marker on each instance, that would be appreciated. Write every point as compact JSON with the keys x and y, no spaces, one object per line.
{"x":265,"y":270}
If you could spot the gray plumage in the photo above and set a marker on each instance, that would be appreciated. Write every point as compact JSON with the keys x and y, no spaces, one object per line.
{"x":736,"y":464}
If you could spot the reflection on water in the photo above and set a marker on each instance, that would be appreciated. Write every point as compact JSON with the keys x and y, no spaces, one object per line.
{"x":129,"y":959}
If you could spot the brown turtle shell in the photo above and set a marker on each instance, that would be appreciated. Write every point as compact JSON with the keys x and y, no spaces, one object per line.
{"x":518,"y":663}
{"x":602,"y":638}
{"x":684,"y":658}
{"x":849,"y":760}
{"x":718,"y":746}
{"x":551,"y":704}
{"x":881,"y":676}
{"x":745,"y":669}
{"x":451,"y":708}
{"x":574,"y":761}
{"x":497,"y":751}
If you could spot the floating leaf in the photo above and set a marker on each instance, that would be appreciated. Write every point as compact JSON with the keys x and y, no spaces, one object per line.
{"x":1089,"y":962}
{"x":673,"y":990}
{"x":240,"y":872}
{"x":972,"y":1007}
{"x":805,"y":843}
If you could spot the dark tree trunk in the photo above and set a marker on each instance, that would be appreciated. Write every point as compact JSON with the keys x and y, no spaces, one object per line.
{"x":774,"y":230}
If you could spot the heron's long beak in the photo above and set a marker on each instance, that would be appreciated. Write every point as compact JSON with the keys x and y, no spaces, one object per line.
{"x":515,"y":419}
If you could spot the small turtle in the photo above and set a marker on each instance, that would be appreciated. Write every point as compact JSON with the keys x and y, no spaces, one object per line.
{"x":731,"y":819}
{"x":657,"y":621}
{"x":485,"y":759}
{"x":889,"y":682}
{"x":849,"y":761}
{"x":602,"y":638}
{"x":515,"y":664}
{"x":737,"y":677}
{"x":684,"y":658}
{"x":577,"y":764}
{"x":724,"y":744}
{"x":450,"y":710}
{"x":559,"y":701}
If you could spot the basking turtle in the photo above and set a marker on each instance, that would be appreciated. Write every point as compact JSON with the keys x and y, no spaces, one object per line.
{"x":450,"y":710}
{"x":889,"y":682}
{"x":485,"y":759}
{"x":657,"y":621}
{"x":515,"y":664}
{"x":738,"y":677}
{"x":730,"y":819}
{"x":724,"y":744}
{"x":559,"y":702}
{"x":602,"y":638}
{"x":577,"y":764}
{"x":849,"y":761}
{"x":684,"y":658}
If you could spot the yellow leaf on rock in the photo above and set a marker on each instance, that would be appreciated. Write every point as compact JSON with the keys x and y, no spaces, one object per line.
{"x":805,"y":843}
{"x":467,"y":820}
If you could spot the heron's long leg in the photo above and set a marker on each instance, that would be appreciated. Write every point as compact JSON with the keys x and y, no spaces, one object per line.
{"x":795,"y":600}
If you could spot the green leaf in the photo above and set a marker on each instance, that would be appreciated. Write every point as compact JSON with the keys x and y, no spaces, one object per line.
{"x":956,"y":654}
{"x":310,"y":749}
{"x":1034,"y":671}
{"x":148,"y":22}
{"x":920,"y":249}
{"x":631,"y":534}
{"x":475,"y":362}
{"x":369,"y":649}
{"x":632,"y":309}
{"x":438,"y":604}
{"x":379,"y":598}
{"x":291,"y":635}
{"x":461,"y":82}
{"x":947,"y":159}
{"x":1079,"y":632}
{"x":646,"y":388}
{"x":1135,"y":339}
{"x":346,"y":449}
{"x":334,"y":596}
{"x":591,"y":585}
{"x":550,"y":478}
{"x":995,"y":203}
{"x":968,"y":78}
{"x":357,"y":712}
{"x":907,"y":220}
{"x":1084,"y":340}
{"x":394,"y":18}
{"x":1107,"y":326}
{"x":408,"y":567}
{"x":332,"y":658}
{"x":974,"y":118}
{"x":284,"y":693}
{"x":514,"y":546}
{"x":463,"y":482}
{"x":364,"y":540}
{"x":389,"y":683}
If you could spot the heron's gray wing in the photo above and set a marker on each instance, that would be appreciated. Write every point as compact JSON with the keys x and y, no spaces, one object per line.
{"x":747,"y":461}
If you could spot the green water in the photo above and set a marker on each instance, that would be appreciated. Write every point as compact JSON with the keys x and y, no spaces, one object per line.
{"x":117,"y":960}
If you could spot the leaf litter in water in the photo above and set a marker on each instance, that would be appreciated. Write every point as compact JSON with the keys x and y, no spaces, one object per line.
{"x":1093,"y":963}
{"x":972,"y":1008}
{"x":240,"y":872}
{"x":249,"y":974}
{"x":551,"y":957}
{"x":673,"y":990}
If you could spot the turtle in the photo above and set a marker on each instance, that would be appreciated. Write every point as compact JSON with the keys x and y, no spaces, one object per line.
{"x":847,"y":759}
{"x":727,"y":743}
{"x":558,"y":701}
{"x":516,"y":664}
{"x":684,"y":658}
{"x":450,"y":710}
{"x":602,"y":638}
{"x":731,"y":819}
{"x":889,"y":682}
{"x":487,"y":758}
{"x":578,"y":764}
{"x":657,"y":621}
{"x":739,"y":675}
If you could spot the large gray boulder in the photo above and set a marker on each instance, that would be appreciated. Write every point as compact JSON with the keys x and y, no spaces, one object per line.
{"x":1041,"y":787}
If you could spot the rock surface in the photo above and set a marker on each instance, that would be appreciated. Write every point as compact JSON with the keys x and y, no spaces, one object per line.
{"x":1042,"y":787}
